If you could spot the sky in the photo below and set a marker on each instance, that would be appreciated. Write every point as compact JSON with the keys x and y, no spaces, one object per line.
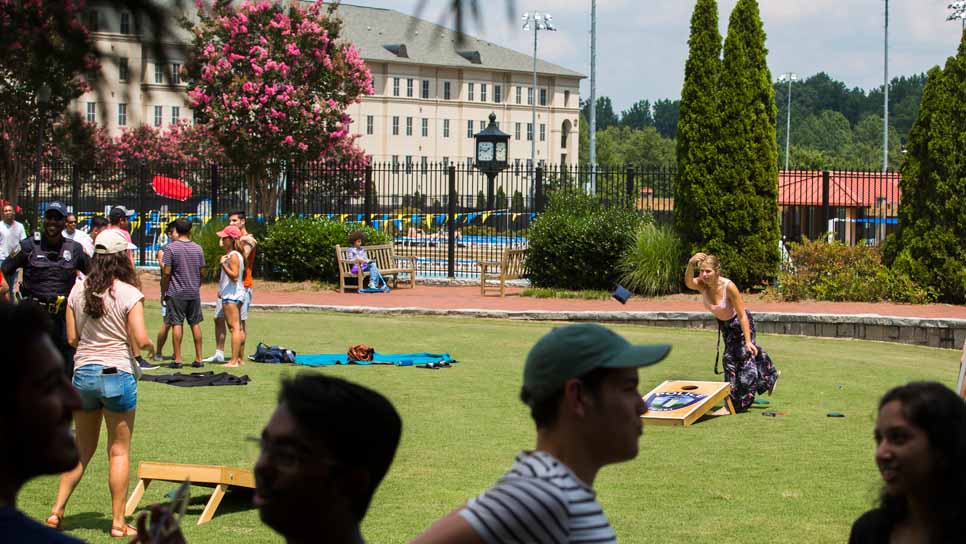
{"x":642,"y":44}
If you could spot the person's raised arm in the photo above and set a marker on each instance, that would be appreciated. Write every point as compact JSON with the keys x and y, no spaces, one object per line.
{"x":137,"y":333}
{"x":739,"y":305}
{"x":231,"y":264}
{"x":689,"y":280}
{"x":450,"y":529}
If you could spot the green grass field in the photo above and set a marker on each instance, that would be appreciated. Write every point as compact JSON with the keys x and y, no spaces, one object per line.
{"x":800,"y":478}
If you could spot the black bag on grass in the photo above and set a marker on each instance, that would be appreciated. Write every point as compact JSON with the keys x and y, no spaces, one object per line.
{"x":272,"y":354}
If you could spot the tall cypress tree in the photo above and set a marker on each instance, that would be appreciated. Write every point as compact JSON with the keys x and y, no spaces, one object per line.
{"x":748,"y":153}
{"x":932,"y":213}
{"x":696,"y":193}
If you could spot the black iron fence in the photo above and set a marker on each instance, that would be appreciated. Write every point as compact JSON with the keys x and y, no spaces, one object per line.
{"x":448,"y":216}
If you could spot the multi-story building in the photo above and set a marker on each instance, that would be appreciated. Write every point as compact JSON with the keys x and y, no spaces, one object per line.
{"x":432,"y":92}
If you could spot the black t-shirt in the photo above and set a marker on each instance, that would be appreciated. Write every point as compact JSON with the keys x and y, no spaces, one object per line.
{"x":872,"y":527}
{"x":16,"y":527}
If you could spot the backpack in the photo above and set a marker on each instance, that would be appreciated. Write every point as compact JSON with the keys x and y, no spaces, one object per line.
{"x":272,"y":354}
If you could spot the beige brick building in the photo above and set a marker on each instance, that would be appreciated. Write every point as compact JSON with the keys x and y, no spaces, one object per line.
{"x":431,"y":94}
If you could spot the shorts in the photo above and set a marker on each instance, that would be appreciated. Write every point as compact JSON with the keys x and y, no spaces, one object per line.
{"x":181,"y":309}
{"x":245,"y":304}
{"x":114,"y":392}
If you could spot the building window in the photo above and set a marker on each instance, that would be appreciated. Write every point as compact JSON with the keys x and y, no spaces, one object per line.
{"x":122,"y":69}
{"x":469,"y":162}
{"x":409,"y":87}
{"x":175,"y":73}
{"x":543,"y":97}
{"x":409,"y":163}
{"x":469,"y":92}
{"x":529,"y":96}
{"x":158,"y":116}
{"x":91,"y":112}
{"x":425,"y":127}
{"x":446,"y":162}
{"x":469,"y":129}
{"x":497,"y":94}
{"x":158,"y":73}
{"x":395,"y":125}
{"x":529,"y":165}
{"x":516,"y":132}
{"x":125,"y":22}
{"x":516,"y":165}
{"x":409,"y":126}
{"x":446,"y":90}
{"x":529,"y":132}
{"x":424,"y":163}
{"x":519,"y":94}
{"x":395,"y":163}
{"x":175,"y":115}
{"x":370,"y":121}
{"x":122,"y":115}
{"x":445,"y":128}
{"x":566,"y":99}
{"x":482,"y":92}
{"x":425,"y":88}
{"x":543,"y":132}
{"x":395,"y":86}
{"x":92,"y":20}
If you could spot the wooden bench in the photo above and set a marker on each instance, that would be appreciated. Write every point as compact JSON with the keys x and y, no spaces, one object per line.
{"x":211,"y":475}
{"x":509,"y":267}
{"x":389,"y":265}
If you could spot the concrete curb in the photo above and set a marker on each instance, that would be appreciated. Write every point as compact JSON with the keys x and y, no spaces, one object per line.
{"x":934,"y":332}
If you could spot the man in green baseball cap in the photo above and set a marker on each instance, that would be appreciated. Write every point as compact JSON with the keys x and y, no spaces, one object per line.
{"x":581,"y":384}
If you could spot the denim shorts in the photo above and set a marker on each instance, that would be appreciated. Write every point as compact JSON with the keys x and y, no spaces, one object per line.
{"x":117,"y":392}
{"x":245,"y":305}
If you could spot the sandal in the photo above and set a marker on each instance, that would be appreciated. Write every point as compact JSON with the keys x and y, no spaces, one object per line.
{"x":123,"y":532}
{"x":56,"y":521}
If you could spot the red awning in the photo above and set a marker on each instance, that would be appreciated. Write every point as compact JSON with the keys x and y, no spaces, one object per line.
{"x":171,"y":188}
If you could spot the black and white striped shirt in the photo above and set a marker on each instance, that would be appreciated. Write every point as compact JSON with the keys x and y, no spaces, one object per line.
{"x":539,"y":500}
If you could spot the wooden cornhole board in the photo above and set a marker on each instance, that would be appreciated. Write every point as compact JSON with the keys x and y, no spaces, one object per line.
{"x":682,"y":402}
{"x":221,"y":477}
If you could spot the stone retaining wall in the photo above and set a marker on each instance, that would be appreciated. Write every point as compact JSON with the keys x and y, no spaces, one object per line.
{"x":933,"y":332}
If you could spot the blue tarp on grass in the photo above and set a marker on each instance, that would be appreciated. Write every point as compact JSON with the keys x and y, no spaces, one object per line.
{"x":398,"y":359}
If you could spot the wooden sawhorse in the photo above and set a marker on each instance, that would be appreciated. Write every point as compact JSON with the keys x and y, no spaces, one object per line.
{"x":221,"y":477}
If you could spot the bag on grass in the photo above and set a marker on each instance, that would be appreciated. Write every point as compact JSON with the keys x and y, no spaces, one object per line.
{"x":360,"y":352}
{"x":272,"y":354}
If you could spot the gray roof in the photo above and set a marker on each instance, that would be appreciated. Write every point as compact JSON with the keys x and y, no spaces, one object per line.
{"x":371,"y":29}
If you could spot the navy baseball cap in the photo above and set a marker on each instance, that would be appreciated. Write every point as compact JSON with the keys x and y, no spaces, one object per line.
{"x":56,"y":206}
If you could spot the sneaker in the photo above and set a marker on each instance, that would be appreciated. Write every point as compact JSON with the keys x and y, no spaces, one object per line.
{"x":145,"y":365}
{"x":174,"y":364}
{"x":218,"y":357}
{"x":197,"y":364}
{"x":158,"y":357}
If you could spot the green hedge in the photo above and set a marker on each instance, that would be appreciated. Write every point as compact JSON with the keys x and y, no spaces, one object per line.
{"x":299,"y":249}
{"x":578,"y":242}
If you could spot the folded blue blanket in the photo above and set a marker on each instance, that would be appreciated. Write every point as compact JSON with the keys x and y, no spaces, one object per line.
{"x":398,"y":359}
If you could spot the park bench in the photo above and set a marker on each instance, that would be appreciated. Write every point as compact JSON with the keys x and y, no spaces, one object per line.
{"x":509,"y":267}
{"x":385,"y":257}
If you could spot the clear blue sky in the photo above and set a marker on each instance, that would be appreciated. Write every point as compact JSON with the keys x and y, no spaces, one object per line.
{"x":642,"y":44}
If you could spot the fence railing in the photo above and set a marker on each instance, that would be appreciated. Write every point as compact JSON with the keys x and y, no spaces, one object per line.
{"x":446,"y":215}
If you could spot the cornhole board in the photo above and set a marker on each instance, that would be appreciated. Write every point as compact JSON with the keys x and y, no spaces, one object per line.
{"x":211,"y":475}
{"x":682,"y":402}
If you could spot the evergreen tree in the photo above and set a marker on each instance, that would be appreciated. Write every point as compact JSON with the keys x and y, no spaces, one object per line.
{"x":748,"y":168}
{"x":480,"y":200}
{"x":501,"y":202}
{"x":696,"y":193}
{"x":638,"y":115}
{"x":516,"y":203}
{"x":931,"y":217}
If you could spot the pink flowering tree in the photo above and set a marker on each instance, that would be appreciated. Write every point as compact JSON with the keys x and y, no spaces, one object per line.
{"x":273,"y":81}
{"x":43,"y":50}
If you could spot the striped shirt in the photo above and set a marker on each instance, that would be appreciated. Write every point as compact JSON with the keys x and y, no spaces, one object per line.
{"x":186,"y":260}
{"x":539,"y":500}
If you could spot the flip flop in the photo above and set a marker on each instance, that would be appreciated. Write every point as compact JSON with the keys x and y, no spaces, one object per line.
{"x":123,"y":532}
{"x":56,"y":521}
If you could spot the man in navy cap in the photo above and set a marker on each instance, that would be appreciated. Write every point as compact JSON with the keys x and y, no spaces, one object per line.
{"x":50,"y":264}
{"x":581,"y":385}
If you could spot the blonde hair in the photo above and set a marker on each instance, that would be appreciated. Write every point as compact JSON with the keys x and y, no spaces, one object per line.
{"x":711,"y":261}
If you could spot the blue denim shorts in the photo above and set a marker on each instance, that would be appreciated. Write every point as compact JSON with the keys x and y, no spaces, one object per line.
{"x":245,"y":305}
{"x":116,"y":392}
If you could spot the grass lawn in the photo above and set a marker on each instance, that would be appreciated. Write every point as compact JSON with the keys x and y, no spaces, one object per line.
{"x":800,"y":478}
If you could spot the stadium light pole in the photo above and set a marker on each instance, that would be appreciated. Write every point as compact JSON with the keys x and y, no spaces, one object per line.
{"x":537,"y":21}
{"x":959,"y":12}
{"x":593,"y":99}
{"x":789,"y":77}
{"x":885,"y":89}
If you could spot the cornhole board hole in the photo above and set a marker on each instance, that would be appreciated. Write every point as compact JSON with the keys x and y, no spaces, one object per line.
{"x":219,"y":477}
{"x":682,"y":402}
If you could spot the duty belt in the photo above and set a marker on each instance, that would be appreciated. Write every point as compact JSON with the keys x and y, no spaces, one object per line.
{"x":53,"y":305}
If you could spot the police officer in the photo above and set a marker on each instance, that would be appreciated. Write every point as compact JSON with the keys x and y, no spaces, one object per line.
{"x":50,"y":264}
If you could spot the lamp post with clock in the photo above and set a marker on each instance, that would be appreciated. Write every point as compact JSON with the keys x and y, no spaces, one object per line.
{"x":491,"y":155}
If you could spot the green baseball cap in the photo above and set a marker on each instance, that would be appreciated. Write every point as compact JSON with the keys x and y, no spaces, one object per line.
{"x":574,"y":350}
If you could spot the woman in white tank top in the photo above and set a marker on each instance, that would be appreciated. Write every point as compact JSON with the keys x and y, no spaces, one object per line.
{"x":747,"y":367}
{"x":231,"y":291}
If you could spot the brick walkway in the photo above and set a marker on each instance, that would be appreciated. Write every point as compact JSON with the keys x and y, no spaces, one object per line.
{"x":468,"y":297}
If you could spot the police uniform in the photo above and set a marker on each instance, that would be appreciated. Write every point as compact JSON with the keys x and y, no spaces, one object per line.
{"x":49,"y":274}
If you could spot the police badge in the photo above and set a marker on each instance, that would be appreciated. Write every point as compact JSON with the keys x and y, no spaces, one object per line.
{"x":67,"y":255}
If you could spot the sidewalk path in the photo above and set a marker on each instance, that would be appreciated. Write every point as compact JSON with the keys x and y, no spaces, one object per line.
{"x":468,"y":297}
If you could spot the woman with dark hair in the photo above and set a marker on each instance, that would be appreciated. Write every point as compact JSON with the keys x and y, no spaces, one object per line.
{"x":105,"y":322}
{"x":920,"y":437}
{"x":747,"y":367}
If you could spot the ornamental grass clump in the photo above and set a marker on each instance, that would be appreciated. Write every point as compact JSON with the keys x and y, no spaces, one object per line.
{"x":654,"y":265}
